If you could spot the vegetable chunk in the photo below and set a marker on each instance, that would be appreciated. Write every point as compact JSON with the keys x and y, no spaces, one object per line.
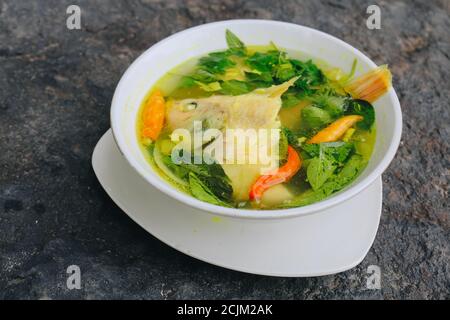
{"x":153,"y":115}
{"x":335,"y":130}
{"x":370,"y":86}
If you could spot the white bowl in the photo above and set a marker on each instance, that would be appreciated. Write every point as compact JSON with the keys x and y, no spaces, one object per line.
{"x":176,"y":49}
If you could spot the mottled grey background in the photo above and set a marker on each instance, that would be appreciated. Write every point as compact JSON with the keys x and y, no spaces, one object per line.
{"x":55,"y":91}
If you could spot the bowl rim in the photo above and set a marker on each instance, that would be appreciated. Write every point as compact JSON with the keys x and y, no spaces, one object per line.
{"x":349,"y":192}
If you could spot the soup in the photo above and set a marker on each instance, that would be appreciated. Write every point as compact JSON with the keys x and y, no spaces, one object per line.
{"x":258,"y":127}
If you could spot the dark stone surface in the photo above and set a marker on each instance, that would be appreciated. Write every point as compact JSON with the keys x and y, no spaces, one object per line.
{"x":55,"y":91}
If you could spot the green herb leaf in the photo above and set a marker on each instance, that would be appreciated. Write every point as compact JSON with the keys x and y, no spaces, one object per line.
{"x":314,"y":117}
{"x":285,"y":72}
{"x":336,"y":182}
{"x":338,"y":151}
{"x":200,"y":75}
{"x":235,"y":87}
{"x":291,"y":136}
{"x":233,"y":41}
{"x":216,"y":62}
{"x":362,"y":108}
{"x":213,"y":176}
{"x":348,"y":173}
{"x":263,"y":61}
{"x":201,"y":191}
{"x":259,"y":79}
{"x":319,"y":170}
{"x":302,"y":87}
{"x":308,"y":72}
{"x":351,"y":169}
{"x":334,"y":105}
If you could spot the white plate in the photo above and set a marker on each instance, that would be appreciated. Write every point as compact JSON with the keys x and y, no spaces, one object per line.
{"x":328,"y":242}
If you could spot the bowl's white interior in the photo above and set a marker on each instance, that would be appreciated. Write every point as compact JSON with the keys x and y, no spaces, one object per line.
{"x":194,"y":42}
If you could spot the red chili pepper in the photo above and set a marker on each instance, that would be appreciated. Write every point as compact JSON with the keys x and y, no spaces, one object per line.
{"x":283,"y":174}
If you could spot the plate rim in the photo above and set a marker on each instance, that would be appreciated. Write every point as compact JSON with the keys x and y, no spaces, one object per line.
{"x":357,"y":261}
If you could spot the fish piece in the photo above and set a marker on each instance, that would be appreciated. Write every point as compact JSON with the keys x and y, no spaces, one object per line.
{"x":254,"y":110}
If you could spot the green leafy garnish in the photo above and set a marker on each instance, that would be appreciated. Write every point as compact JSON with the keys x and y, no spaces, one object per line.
{"x":314,"y":117}
{"x":235,"y":87}
{"x":362,"y":108}
{"x":284,"y":70}
{"x":203,"y":192}
{"x":290,"y":136}
{"x":319,"y":170}
{"x":308,"y":72}
{"x":179,"y":171}
{"x":259,"y":79}
{"x":216,"y":62}
{"x":263,"y":61}
{"x":333,"y":104}
{"x":338,"y":151}
{"x":234,"y":43}
{"x":211,"y":175}
{"x":336,"y":182}
{"x":199,"y":76}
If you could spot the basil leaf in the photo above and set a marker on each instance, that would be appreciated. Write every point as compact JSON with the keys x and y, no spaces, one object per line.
{"x":338,"y":151}
{"x":362,"y":108}
{"x":178,"y":170}
{"x":214,"y":177}
{"x":348,"y":173}
{"x":319,"y":170}
{"x":201,"y":191}
{"x":211,"y":175}
{"x":351,"y":169}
